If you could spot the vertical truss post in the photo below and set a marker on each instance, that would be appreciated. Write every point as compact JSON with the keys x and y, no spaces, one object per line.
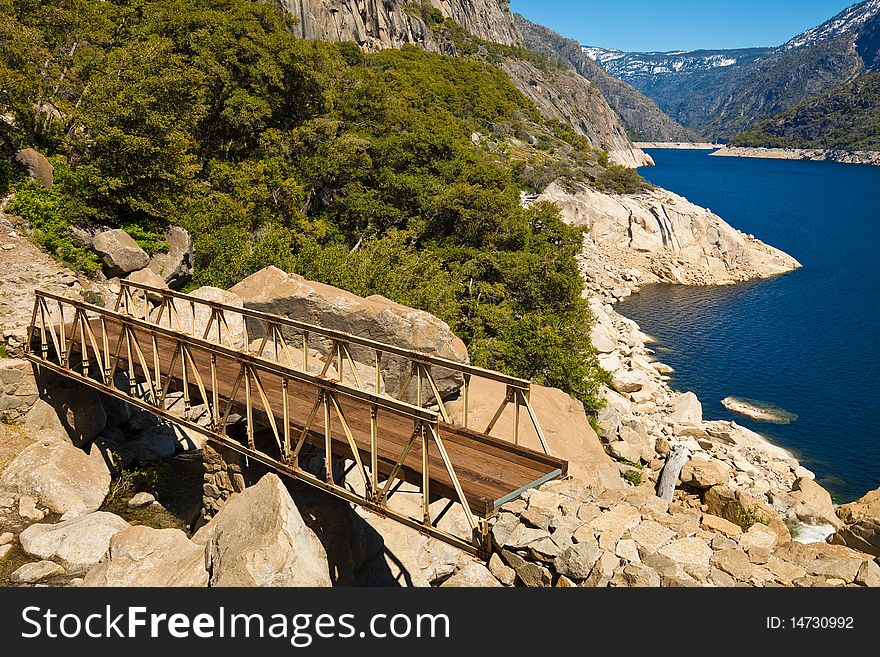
{"x":516,"y":417}
{"x":132,"y":380}
{"x":426,"y":478}
{"x":285,"y":397}
{"x":305,"y":351}
{"x":249,"y":404}
{"x":328,"y":440}
{"x":464,"y":393}
{"x":378,"y":372}
{"x":340,"y":363}
{"x":374,"y":452}
{"x":215,"y":393}
{"x":62,"y":331}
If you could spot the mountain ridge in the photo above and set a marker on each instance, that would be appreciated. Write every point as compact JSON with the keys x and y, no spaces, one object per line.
{"x":719,"y":101}
{"x":642,"y":117}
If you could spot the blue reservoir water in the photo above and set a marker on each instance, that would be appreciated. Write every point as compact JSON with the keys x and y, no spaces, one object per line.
{"x":806,"y":341}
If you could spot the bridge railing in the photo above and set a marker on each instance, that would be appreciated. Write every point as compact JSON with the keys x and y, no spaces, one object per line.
{"x":93,"y":345}
{"x":424,"y":380}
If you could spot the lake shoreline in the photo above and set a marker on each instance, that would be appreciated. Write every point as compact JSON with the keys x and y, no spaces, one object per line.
{"x":814,"y":154}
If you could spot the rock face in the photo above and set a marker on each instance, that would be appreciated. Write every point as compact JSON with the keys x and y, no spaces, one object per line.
{"x":35,"y":166}
{"x":259,"y":539}
{"x":489,"y":20}
{"x":861,"y":520}
{"x":77,"y":544}
{"x":378,"y":24}
{"x":176,"y":266}
{"x":274,"y":291}
{"x":18,"y":387}
{"x":142,"y":556}
{"x":63,"y":478}
{"x":563,"y":420}
{"x":119,"y":253}
{"x":661,"y":237}
{"x":566,"y":96}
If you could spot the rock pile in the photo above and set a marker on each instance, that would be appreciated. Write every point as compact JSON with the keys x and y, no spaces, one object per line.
{"x":567,"y":534}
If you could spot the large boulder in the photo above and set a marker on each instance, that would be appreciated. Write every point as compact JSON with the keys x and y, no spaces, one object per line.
{"x":37,"y":571}
{"x":563,"y":420}
{"x":77,"y":543}
{"x":176,"y":266}
{"x":376,"y":318}
{"x":119,"y":253}
{"x":63,"y":478}
{"x":35,"y":166}
{"x":745,"y":510}
{"x":687,"y":410}
{"x":147,"y":277}
{"x":812,"y":504}
{"x":205,"y":328}
{"x":143,"y":556}
{"x":861,"y":520}
{"x":704,"y":474}
{"x":259,"y":538}
{"x":474,"y":575}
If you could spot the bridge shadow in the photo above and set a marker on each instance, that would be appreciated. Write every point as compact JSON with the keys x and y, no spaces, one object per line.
{"x":356,"y":552}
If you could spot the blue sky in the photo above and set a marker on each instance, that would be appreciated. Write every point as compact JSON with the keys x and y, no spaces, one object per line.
{"x":646,"y":25}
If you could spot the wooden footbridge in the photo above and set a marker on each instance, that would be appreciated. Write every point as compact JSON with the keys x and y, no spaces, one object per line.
{"x":275,"y":373}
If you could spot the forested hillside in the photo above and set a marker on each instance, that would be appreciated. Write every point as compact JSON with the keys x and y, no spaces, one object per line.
{"x":846,"y":118}
{"x":396,"y":173}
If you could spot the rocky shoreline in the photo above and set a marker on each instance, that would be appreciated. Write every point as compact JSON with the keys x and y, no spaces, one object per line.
{"x":816,"y":154}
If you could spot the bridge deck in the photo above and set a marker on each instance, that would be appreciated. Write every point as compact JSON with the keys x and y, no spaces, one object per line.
{"x":491,"y":471}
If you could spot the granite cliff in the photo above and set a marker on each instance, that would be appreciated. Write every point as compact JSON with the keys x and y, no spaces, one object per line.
{"x":378,"y":24}
{"x":660,"y":237}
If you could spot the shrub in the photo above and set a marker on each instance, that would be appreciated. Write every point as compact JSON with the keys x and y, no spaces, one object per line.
{"x":746,"y":518}
{"x":618,"y":179}
{"x":633,"y":477}
{"x":47,"y":213}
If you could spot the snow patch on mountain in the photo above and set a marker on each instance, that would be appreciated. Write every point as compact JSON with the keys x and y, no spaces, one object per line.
{"x":849,"y":20}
